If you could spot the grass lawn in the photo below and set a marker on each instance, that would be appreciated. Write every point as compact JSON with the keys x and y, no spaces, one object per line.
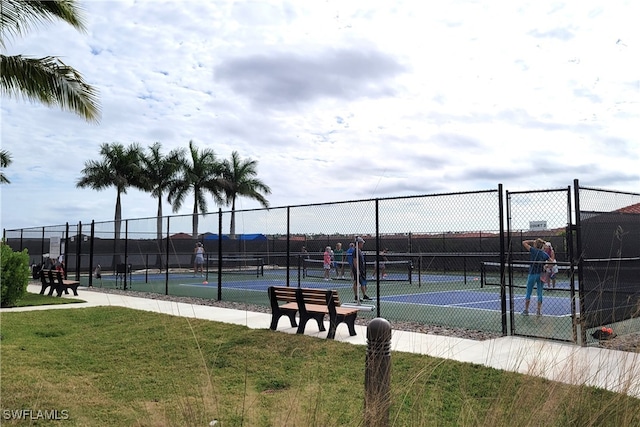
{"x":112,"y":366}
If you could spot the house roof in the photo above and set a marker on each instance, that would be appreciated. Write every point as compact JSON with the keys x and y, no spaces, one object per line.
{"x":631,"y":209}
{"x":181,"y":236}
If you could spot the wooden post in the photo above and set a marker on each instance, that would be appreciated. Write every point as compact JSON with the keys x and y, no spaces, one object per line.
{"x":377,"y":381}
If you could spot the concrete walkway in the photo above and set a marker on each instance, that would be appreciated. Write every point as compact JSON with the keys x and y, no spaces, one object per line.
{"x":613,"y":370}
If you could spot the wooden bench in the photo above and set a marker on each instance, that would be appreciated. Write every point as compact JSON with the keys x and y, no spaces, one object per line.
{"x":310,"y":304}
{"x":54,"y":280}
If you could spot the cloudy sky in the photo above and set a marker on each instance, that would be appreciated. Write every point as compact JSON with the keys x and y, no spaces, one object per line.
{"x":338,"y":100}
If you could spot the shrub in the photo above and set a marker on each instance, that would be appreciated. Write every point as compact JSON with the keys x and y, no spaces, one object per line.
{"x":14,"y":275}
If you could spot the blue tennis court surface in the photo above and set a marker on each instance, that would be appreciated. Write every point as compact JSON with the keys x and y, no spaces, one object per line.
{"x":551,"y":306}
{"x":438,"y":278}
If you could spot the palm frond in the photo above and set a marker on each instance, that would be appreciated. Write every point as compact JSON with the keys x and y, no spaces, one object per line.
{"x":19,"y":17}
{"x":49,"y":81}
{"x":5,"y":160}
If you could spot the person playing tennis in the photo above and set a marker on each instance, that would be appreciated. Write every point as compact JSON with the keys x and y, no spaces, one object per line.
{"x":338,"y":261}
{"x":537,"y":257}
{"x":548,"y":276}
{"x":326,"y":262}
{"x":198,"y":262}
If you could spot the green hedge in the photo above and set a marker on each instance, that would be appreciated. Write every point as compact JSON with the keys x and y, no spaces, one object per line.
{"x":14,"y":275}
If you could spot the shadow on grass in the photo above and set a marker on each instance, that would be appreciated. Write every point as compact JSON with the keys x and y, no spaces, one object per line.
{"x":34,"y":300}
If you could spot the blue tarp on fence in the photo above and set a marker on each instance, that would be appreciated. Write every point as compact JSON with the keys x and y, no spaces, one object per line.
{"x":238,"y":237}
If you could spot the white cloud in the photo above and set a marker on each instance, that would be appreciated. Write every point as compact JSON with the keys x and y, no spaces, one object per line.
{"x":338,"y":100}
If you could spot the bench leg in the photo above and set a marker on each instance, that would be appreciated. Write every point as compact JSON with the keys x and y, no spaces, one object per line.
{"x":274,"y":322}
{"x":275,"y":317}
{"x":75,"y":290}
{"x":292,"y":319}
{"x":351,"y":324}
{"x":332,"y":331}
{"x":301,"y":325}
{"x":319,"y":318}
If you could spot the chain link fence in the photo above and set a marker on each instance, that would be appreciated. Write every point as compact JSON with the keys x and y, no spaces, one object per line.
{"x":609,"y":256}
{"x":455,"y":260}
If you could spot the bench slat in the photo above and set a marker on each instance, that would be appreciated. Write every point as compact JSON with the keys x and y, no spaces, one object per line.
{"x":290,"y":305}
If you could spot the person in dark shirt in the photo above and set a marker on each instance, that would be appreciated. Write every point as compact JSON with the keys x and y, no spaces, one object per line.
{"x":359,"y":269}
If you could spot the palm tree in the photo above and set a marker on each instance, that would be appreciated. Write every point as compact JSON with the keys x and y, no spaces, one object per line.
{"x":240,"y":180}
{"x":5,"y":160}
{"x":201,"y":173}
{"x":119,"y":167}
{"x":47,"y":80}
{"x":159,"y":173}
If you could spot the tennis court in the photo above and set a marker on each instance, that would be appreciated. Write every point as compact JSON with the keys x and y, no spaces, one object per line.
{"x":452,"y":289}
{"x":557,"y":306}
{"x":451,"y":298}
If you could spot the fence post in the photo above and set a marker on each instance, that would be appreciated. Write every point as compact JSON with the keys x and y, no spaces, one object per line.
{"x":288,"y":280}
{"x":91,"y":247}
{"x":220,"y":254}
{"x":63,"y":252}
{"x":126,"y":254}
{"x":166,"y":273}
{"x":377,"y":380}
{"x":78,"y":249}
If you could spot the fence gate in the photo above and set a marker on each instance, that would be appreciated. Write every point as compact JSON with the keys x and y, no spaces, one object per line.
{"x":544,"y":214}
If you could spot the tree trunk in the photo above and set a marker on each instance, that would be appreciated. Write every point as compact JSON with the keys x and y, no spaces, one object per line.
{"x":117,"y":224}
{"x":158,"y":262}
{"x":194,"y":221}
{"x":232,"y":226}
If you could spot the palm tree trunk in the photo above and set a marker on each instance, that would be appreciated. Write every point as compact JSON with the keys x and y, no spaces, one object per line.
{"x":232,"y":226}
{"x":117,"y":226}
{"x":195,"y":226}
{"x":159,"y":233}
{"x":194,"y":221}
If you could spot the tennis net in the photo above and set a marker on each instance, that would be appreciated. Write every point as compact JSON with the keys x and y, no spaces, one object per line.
{"x":389,"y":270}
{"x":490,"y":274}
{"x":238,"y":265}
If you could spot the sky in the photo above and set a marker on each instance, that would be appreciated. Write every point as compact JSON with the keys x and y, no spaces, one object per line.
{"x":336,"y":100}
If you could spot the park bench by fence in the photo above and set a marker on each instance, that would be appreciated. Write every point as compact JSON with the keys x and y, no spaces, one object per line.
{"x":54,"y":280}
{"x":310,"y":304}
